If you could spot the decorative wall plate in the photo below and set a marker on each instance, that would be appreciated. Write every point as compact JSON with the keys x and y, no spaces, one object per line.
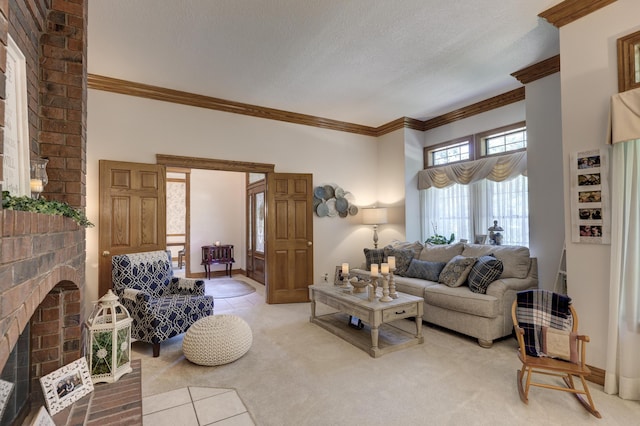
{"x":322,"y":210}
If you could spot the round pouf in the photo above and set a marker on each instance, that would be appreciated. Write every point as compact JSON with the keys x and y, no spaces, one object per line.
{"x":217,"y":340}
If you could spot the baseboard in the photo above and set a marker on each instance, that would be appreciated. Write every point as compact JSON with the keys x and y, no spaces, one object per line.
{"x":214,"y":274}
{"x":596,"y":376}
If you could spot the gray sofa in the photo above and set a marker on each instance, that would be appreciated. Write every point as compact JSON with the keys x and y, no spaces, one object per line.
{"x":483,"y":316}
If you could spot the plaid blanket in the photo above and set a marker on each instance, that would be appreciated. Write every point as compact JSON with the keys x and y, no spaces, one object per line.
{"x":541,"y":308}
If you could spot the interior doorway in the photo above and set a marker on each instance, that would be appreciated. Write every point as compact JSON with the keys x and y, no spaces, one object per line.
{"x":256,"y":229}
{"x":178,"y":214}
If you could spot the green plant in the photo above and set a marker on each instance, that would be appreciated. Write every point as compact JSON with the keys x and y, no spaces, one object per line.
{"x":41,"y":205}
{"x":438,"y":238}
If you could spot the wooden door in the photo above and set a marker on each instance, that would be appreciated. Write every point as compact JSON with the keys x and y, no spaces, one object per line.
{"x":289,"y":237}
{"x":132,"y":212}
{"x":256,"y":234}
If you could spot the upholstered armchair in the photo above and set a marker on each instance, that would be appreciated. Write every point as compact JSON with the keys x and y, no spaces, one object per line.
{"x":161,"y":305}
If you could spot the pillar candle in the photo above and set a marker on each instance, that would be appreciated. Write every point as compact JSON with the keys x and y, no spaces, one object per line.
{"x":384,"y":268}
{"x":345,"y":268}
{"x":392,"y":262}
{"x":36,"y":185}
{"x":374,"y":270}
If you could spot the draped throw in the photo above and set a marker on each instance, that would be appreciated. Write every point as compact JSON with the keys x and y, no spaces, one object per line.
{"x":497,"y":169}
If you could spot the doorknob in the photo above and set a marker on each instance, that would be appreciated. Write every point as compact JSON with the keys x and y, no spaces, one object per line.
{"x":309,"y":243}
{"x":105,"y":253}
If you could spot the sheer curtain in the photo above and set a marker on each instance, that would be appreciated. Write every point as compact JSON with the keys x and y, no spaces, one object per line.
{"x":623,"y":363}
{"x":467,"y":210}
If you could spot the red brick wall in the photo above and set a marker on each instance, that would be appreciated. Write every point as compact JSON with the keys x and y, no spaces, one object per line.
{"x":42,"y":257}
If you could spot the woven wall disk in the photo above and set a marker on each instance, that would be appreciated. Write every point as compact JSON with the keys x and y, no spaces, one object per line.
{"x":217,"y":340}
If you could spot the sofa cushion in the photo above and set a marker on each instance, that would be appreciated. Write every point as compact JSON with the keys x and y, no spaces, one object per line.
{"x":461,"y":299}
{"x":375,"y":256}
{"x":455,"y":272}
{"x":403,"y":245}
{"x":425,"y":270}
{"x":440,"y":253}
{"x":486,"y":270}
{"x":516,"y":260}
{"x":403,"y":258}
{"x":413,"y":286}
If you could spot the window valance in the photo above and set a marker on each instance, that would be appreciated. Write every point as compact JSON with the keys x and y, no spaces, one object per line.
{"x":497,"y":169}
{"x":625,"y":116}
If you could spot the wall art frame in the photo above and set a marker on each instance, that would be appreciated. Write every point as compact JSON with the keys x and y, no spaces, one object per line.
{"x":590,"y":201}
{"x":15,"y":160}
{"x":66,"y":385}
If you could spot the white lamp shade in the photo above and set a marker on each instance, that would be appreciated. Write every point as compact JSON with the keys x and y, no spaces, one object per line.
{"x":374,"y":216}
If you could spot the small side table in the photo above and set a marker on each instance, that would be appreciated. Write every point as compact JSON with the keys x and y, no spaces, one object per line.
{"x":217,"y":255}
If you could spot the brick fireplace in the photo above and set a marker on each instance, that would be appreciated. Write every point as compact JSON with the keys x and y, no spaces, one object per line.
{"x":41,"y":284}
{"x":42,"y":257}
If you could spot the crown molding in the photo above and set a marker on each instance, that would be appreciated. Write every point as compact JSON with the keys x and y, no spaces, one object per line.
{"x":538,"y":71}
{"x":571,"y":10}
{"x":504,"y":99}
{"x":125,"y":87}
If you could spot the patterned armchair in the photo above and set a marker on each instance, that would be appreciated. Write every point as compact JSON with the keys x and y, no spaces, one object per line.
{"x":160,"y":305}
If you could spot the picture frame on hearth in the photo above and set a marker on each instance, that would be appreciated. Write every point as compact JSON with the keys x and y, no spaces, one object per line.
{"x":480,"y":239}
{"x":66,"y":385}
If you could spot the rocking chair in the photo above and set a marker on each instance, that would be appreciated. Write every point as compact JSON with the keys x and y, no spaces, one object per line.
{"x":546,"y":327}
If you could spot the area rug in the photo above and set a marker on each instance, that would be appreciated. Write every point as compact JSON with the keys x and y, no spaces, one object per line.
{"x":224,"y":288}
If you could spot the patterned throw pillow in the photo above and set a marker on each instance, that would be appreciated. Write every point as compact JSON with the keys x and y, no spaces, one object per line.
{"x":456,"y":271}
{"x":425,"y":270}
{"x":403,"y":259}
{"x":486,"y":270}
{"x":375,"y":256}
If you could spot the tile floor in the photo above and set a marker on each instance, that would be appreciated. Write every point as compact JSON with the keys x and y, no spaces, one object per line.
{"x":195,"y":406}
{"x":200,"y":406}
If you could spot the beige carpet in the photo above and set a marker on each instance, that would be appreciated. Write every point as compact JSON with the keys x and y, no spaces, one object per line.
{"x":224,"y":288}
{"x":299,"y":374}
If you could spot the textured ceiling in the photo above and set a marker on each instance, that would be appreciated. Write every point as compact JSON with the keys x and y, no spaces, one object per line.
{"x":361,"y":61}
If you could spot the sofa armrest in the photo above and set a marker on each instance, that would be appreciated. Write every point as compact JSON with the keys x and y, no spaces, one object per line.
{"x":500,"y":286}
{"x":187,"y":286}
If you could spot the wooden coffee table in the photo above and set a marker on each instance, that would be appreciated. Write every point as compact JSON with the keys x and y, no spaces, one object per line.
{"x":378,"y":337}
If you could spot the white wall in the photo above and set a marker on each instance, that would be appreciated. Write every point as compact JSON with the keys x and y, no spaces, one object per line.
{"x":218,"y":201}
{"x":127,"y":128}
{"x":546,"y":195}
{"x":588,"y":79}
{"x":413,"y":163}
{"x":391,"y":187}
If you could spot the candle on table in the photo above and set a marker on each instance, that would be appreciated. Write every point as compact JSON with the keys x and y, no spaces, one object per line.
{"x":384,"y":268}
{"x":345,"y":268}
{"x":36,"y":185}
{"x":374,"y":270}
{"x":392,"y":262}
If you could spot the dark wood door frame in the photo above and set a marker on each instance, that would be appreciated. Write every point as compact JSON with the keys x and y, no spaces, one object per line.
{"x":176,"y":161}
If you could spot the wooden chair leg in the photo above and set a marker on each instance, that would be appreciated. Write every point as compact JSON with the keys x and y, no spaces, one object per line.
{"x":589,"y":406}
{"x":156,"y":350}
{"x":523,"y":397}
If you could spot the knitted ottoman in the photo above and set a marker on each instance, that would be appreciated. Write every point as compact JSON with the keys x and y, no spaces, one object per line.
{"x":216,"y":340}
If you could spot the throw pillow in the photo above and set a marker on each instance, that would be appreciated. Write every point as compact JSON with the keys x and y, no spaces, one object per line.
{"x":560,"y":344}
{"x":455,"y":272}
{"x":375,"y":256}
{"x":486,"y":270}
{"x":416,"y":246}
{"x":425,"y":270}
{"x":403,"y":259}
{"x":440,"y":253}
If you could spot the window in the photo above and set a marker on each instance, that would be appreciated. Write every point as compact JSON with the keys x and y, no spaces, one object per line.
{"x":502,"y":142}
{"x":449,"y":152}
{"x":467,"y":210}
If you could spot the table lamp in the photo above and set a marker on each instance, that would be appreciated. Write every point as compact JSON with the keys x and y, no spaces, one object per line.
{"x":374,"y":216}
